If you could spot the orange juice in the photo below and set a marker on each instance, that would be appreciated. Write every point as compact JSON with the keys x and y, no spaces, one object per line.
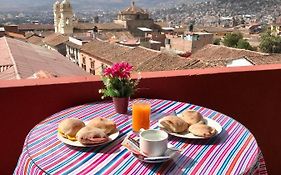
{"x":141,"y":116}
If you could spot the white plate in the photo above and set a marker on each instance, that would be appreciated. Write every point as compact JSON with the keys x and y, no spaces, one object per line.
{"x":78,"y":144}
{"x":210,"y":122}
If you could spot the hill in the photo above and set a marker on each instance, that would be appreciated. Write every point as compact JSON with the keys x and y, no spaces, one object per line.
{"x":86,"y":4}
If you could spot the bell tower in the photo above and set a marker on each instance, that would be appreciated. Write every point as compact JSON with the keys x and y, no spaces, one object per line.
{"x":66,"y":18}
{"x":57,"y":16}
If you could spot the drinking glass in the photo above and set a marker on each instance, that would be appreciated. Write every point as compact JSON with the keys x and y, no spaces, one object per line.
{"x":141,"y":116}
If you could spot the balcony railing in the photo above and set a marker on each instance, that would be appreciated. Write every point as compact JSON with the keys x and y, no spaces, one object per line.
{"x":251,"y":95}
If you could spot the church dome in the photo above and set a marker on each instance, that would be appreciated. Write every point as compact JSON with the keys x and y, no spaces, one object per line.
{"x":133,"y":10}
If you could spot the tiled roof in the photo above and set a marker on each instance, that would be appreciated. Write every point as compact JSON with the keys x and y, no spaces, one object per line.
{"x":137,"y":56}
{"x":55,"y":39}
{"x":35,"y":40}
{"x":118,"y":36}
{"x":165,"y":61}
{"x":15,"y":35}
{"x":5,"y":53}
{"x":8,"y":74}
{"x":45,"y":33}
{"x":28,"y":59}
{"x":104,"y":50}
{"x":213,"y":55}
{"x":141,"y":58}
{"x":36,"y":27}
{"x":101,"y":26}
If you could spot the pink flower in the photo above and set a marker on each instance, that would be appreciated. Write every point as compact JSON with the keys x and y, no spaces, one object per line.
{"x":107,"y":72}
{"x":119,"y":70}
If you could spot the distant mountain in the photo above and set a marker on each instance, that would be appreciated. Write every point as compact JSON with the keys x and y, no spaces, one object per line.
{"x":86,"y":4}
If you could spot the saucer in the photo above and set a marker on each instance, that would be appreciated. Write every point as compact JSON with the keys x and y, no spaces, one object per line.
{"x":170,"y":154}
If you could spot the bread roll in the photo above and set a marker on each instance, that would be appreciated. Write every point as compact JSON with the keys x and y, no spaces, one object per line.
{"x":174,"y":124}
{"x":107,"y":125}
{"x":202,"y":130}
{"x":69,"y":127}
{"x":91,"y":136}
{"x":191,"y":117}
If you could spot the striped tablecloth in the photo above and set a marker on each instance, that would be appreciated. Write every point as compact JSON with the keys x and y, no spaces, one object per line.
{"x":234,"y":151}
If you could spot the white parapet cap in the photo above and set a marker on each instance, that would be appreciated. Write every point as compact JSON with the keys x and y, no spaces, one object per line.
{"x":144,"y":29}
{"x":154,"y":42}
{"x":2,"y":29}
{"x":226,"y":18}
{"x":168,"y":28}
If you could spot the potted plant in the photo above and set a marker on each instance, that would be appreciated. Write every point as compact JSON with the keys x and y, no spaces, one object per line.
{"x":119,"y":85}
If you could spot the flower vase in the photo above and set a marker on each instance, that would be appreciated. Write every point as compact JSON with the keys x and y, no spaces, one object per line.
{"x":121,"y":104}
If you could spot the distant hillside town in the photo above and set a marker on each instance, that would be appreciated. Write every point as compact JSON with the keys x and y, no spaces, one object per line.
{"x":78,"y":47}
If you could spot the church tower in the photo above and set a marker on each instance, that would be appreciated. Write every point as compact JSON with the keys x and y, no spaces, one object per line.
{"x":66,"y":18}
{"x":56,"y":10}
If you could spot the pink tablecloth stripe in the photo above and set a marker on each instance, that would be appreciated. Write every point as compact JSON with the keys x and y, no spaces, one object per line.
{"x":234,"y":151}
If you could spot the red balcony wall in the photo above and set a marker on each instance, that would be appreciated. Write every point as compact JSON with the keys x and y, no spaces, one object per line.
{"x":251,"y":95}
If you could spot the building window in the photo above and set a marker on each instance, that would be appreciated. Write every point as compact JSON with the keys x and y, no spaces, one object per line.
{"x":92,"y":71}
{"x":84,"y":63}
{"x":93,"y":64}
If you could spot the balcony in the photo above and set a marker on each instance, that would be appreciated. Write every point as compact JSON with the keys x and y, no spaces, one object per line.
{"x":251,"y":95}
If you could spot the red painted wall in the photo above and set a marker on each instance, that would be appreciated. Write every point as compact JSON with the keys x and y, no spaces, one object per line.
{"x":251,"y":95}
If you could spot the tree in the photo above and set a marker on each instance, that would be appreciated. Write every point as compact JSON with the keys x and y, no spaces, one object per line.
{"x":217,"y":41}
{"x":231,"y":39}
{"x":270,"y":43}
{"x":244,"y":44}
{"x":236,"y":40}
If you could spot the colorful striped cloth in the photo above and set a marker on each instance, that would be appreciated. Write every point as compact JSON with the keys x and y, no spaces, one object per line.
{"x":233,"y":151}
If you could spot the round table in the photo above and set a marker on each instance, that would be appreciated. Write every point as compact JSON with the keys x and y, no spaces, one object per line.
{"x":233,"y":151}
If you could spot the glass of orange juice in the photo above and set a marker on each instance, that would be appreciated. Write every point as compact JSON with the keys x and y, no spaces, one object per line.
{"x":141,"y":116}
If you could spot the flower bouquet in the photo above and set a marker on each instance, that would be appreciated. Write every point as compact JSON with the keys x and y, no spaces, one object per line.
{"x":119,"y":85}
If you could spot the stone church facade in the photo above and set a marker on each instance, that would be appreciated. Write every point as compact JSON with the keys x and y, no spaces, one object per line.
{"x":134,"y":17}
{"x":63,"y":17}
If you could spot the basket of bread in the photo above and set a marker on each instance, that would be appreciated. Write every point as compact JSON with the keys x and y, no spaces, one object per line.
{"x":95,"y":132}
{"x":190,"y":124}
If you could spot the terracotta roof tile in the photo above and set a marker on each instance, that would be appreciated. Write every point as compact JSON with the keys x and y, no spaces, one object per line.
{"x":15,"y":35}
{"x":29,"y":59}
{"x":101,"y":26}
{"x":118,"y":36}
{"x":165,"y":61}
{"x":55,"y":39}
{"x":5,"y":53}
{"x":213,"y":55}
{"x":35,"y":40}
{"x":137,"y":56}
{"x":36,"y":27}
{"x":8,"y":74}
{"x":104,"y":50}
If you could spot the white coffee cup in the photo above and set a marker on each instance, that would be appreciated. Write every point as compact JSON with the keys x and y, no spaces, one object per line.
{"x":153,"y":143}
